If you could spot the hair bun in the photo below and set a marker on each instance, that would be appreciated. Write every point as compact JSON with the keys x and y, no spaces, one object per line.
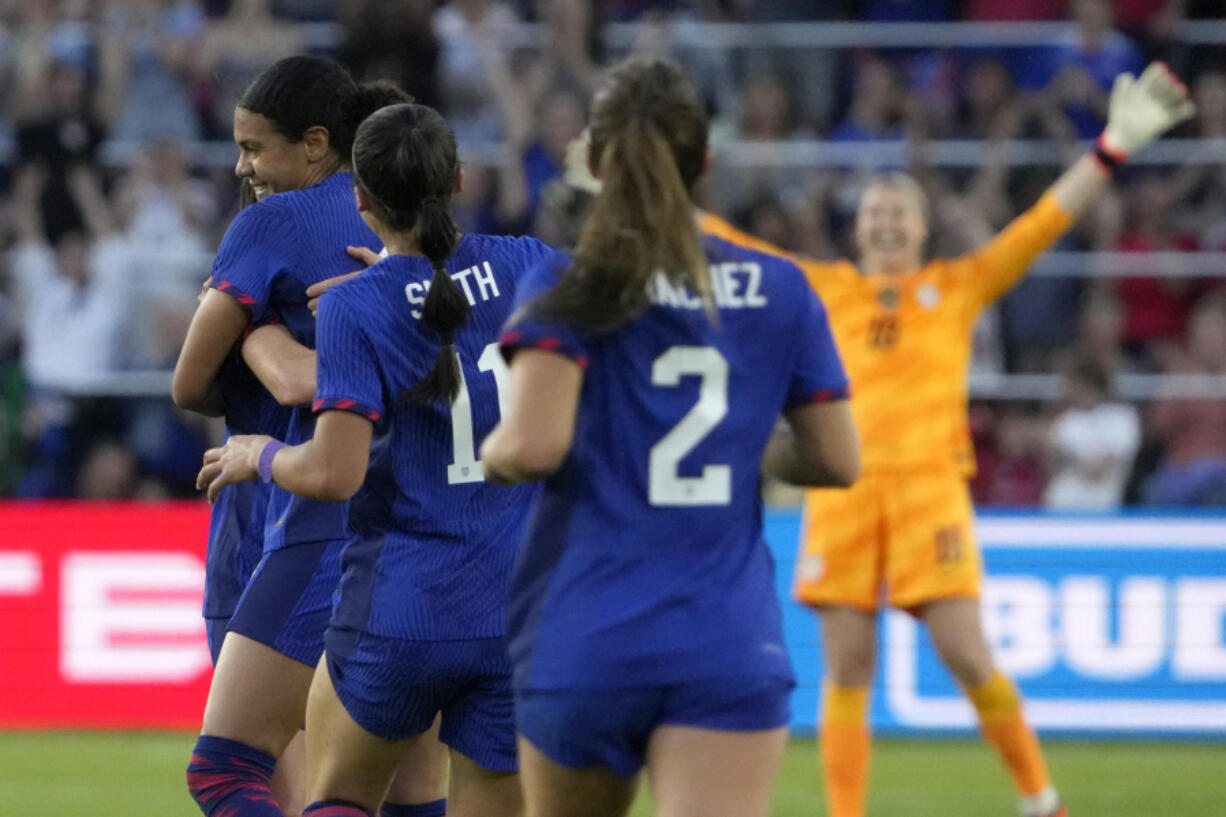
{"x":372,"y":96}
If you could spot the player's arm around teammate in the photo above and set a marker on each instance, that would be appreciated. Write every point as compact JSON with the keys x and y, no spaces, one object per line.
{"x":269,"y":161}
{"x":294,"y":127}
{"x":589,"y":394}
{"x":282,"y":364}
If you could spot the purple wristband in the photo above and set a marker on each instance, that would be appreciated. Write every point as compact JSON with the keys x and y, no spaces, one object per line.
{"x":270,"y":451}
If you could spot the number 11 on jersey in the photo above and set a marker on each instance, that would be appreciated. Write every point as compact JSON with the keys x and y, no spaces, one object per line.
{"x":465,"y":466}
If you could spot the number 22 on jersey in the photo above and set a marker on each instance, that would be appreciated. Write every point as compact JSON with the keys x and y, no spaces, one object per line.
{"x":465,"y":466}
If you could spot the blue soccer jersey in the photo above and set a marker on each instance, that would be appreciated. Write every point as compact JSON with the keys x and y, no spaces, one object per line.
{"x":271,"y":253}
{"x":645,"y":563}
{"x":433,"y":542}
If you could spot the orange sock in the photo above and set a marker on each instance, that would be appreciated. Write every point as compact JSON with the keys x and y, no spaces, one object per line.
{"x":844,"y":746}
{"x":1000,"y":718}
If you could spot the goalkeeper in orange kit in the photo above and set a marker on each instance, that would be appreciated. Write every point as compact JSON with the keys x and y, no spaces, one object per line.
{"x":902,"y":535}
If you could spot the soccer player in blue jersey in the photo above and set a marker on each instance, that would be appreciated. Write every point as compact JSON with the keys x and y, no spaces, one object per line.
{"x":647,"y":375}
{"x":411,"y":379}
{"x":294,"y":126}
{"x":236,"y":532}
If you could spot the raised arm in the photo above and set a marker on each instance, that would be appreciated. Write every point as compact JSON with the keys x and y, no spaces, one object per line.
{"x":1141,"y":110}
{"x":87,"y":193}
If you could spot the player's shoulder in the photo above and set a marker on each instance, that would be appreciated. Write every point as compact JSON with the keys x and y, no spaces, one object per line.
{"x":545,"y":270}
{"x":361,"y":298}
{"x":525,"y":249}
{"x":374,"y":283}
{"x":265,"y":216}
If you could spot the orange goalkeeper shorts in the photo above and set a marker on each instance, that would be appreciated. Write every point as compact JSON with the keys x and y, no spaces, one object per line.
{"x":900,"y":538}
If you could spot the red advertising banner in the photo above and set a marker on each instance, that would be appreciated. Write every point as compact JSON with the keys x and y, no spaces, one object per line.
{"x":100,"y":623}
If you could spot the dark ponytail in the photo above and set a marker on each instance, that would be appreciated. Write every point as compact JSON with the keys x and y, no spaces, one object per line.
{"x":302,"y":92}
{"x":446,"y":307}
{"x":404,"y":158}
{"x":368,"y":97}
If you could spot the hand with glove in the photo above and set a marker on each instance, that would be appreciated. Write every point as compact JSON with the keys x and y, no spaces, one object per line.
{"x":1142,"y":109}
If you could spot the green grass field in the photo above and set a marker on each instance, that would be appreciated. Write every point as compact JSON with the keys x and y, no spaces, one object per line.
{"x":140,"y":774}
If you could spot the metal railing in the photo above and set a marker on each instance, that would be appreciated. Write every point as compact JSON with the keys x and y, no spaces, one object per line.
{"x":1042,"y":387}
{"x":684,"y":32}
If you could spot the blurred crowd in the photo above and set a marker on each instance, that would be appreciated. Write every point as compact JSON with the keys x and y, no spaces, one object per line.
{"x":116,"y":183}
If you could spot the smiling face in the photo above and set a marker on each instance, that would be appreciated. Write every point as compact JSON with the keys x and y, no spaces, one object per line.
{"x":890,"y":229}
{"x":266,"y":159}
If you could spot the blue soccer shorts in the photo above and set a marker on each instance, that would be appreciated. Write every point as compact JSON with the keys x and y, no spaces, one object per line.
{"x":611,"y":727}
{"x":288,"y":601}
{"x":394,"y":687}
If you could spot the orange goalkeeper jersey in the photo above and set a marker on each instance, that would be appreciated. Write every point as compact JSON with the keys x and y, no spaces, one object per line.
{"x":906,"y":340}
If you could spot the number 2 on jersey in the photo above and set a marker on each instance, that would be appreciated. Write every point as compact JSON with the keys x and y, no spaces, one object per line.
{"x":664,"y":485}
{"x":466,"y":467}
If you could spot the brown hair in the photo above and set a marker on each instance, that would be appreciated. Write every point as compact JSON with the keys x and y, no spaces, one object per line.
{"x":648,"y":129}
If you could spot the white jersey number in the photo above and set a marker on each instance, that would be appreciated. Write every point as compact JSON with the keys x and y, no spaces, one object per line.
{"x":664,"y":485}
{"x":466,"y":467}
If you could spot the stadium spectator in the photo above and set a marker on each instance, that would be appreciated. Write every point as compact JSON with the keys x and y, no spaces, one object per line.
{"x":769,"y":106}
{"x":73,"y":291}
{"x":1209,"y":90}
{"x":166,"y":216}
{"x":560,"y":121}
{"x":57,"y":128}
{"x":569,"y":60}
{"x":988,"y":108}
{"x":108,"y":472}
{"x":1080,"y":69}
{"x":1091,"y":444}
{"x":147,"y":67}
{"x":238,"y":47}
{"x":877,"y":104}
{"x":1011,"y":470}
{"x":1100,"y":335}
{"x":818,"y":66}
{"x":1156,"y":306}
{"x":474,"y":77}
{"x":1200,"y":187}
{"x":1193,"y":432}
{"x":392,"y":40}
{"x":767,"y":110}
{"x":161,"y":205}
